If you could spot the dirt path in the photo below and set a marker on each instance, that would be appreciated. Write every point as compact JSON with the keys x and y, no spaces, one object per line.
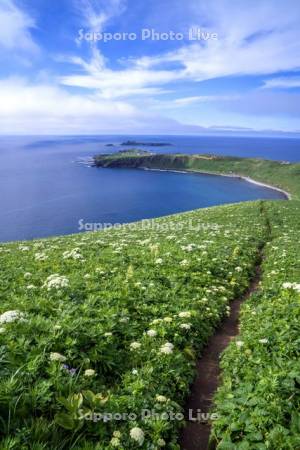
{"x":195,"y":435}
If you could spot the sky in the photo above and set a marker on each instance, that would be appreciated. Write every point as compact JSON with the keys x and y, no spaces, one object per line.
{"x":149,"y":67}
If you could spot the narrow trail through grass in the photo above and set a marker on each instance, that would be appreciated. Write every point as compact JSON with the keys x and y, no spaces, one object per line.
{"x":196,"y":434}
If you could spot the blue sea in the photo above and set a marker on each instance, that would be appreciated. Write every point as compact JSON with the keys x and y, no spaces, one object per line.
{"x":47,"y":189}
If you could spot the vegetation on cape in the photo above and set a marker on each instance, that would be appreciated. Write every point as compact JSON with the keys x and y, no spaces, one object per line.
{"x":280,"y":174}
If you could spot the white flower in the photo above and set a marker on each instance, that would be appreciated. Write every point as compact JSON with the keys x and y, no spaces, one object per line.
{"x":294,"y":286}
{"x":40,"y":257}
{"x":54,"y":356}
{"x":27,"y":275}
{"x":56,"y":281}
{"x":124,"y":319}
{"x":72,"y":254}
{"x":135,"y":345}
{"x":108,"y":334}
{"x":11,"y":316}
{"x":238,"y":269}
{"x":239,"y":344}
{"x":23,"y":248}
{"x":263,"y":341}
{"x":185,"y":326}
{"x":137,"y":435}
{"x":161,"y":442}
{"x":115,"y":442}
{"x":161,"y":398}
{"x":2,"y":330}
{"x":151,"y":333}
{"x":184,"y":263}
{"x":156,"y":321}
{"x":31,"y":286}
{"x":158,"y":261}
{"x":167,"y":348}
{"x":117,"y":434}
{"x":185,"y":314}
{"x":89,"y":372}
{"x":134,"y":372}
{"x":168,"y":319}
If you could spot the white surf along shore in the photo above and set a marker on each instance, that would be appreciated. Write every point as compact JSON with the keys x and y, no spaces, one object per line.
{"x":228,"y":175}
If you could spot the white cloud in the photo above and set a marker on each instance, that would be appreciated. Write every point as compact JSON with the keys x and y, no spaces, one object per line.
{"x":282,"y":82}
{"x":15,"y":28}
{"x":97,"y":13}
{"x":46,"y":109}
{"x":185,"y":101}
{"x":254,"y":39}
{"x":117,"y":83}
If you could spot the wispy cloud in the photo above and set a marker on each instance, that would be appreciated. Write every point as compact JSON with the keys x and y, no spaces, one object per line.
{"x":27,"y":107}
{"x":117,"y":83}
{"x":96,"y":14}
{"x":254,"y":39}
{"x":15,"y":28}
{"x":185,"y":101}
{"x":282,"y":82}
{"x":121,"y":88}
{"x":47,"y":109}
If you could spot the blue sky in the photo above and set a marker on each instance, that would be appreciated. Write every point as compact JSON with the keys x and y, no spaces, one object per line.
{"x":241,"y":73}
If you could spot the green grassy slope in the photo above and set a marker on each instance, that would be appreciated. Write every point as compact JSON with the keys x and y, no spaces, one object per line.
{"x":135,"y":305}
{"x":258,"y":402}
{"x":281,"y":175}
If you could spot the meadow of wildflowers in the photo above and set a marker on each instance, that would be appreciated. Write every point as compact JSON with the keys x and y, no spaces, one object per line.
{"x":97,"y":327}
{"x":258,"y":402}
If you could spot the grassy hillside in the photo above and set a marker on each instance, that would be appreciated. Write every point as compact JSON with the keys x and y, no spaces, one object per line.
{"x":279,"y":174}
{"x":258,"y":402}
{"x":111,"y":322}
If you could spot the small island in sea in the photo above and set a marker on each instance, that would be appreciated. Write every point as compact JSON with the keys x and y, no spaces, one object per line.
{"x":146,"y":144}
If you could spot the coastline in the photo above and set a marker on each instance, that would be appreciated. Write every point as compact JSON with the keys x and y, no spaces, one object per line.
{"x":241,"y":177}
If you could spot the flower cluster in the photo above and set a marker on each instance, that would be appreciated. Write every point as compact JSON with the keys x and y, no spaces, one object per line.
{"x":167,"y":348}
{"x":56,"y":281}
{"x":72,"y":254}
{"x":121,"y":331}
{"x":11,"y":316}
{"x":54,"y":356}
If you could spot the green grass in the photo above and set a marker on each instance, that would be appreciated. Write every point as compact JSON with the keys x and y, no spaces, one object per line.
{"x":175,"y":279}
{"x":259,"y":400}
{"x":281,"y":175}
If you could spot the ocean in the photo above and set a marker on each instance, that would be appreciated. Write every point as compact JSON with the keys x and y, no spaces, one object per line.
{"x":47,"y":189}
